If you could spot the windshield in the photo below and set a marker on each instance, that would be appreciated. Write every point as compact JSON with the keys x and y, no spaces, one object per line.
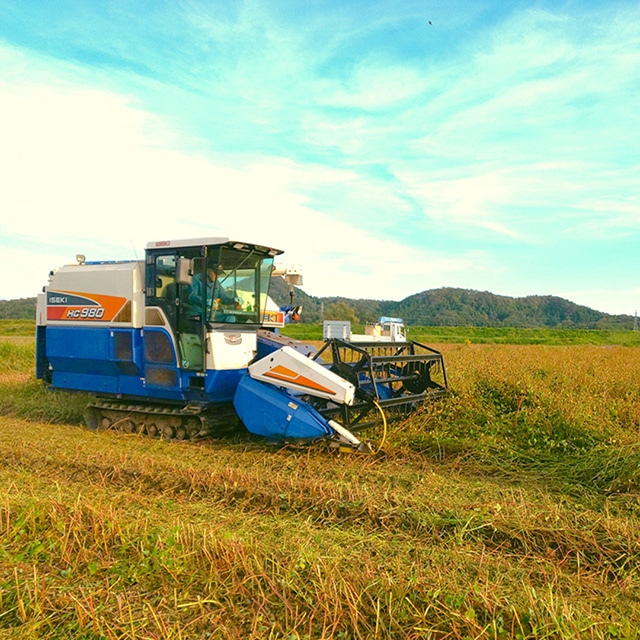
{"x":238,"y":285}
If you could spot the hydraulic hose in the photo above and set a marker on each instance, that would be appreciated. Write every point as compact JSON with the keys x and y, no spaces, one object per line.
{"x":384,"y":431}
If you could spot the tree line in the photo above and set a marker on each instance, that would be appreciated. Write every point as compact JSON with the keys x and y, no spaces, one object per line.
{"x":436,"y":307}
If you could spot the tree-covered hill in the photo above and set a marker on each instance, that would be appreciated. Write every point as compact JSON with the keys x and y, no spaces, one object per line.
{"x":455,"y":307}
{"x":458,"y":307}
{"x":436,"y":307}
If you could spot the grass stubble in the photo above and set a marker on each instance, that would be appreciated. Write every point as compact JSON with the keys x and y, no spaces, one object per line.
{"x":510,"y":510}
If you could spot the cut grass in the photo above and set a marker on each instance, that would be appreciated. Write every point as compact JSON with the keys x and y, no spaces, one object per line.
{"x":22,"y":395}
{"x":126,"y":537}
{"x":510,"y":509}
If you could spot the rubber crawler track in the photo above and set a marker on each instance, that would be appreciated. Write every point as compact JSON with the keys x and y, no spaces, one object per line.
{"x":161,"y":421}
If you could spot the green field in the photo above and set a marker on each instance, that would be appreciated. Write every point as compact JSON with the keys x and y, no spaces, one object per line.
{"x":509,"y":510}
{"x":447,"y":335}
{"x":490,"y":335}
{"x":17,"y":328}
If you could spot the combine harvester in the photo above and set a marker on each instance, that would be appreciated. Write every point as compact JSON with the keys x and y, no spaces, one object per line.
{"x":184,"y":343}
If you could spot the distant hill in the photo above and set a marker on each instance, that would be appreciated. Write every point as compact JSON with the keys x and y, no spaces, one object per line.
{"x":455,"y":307}
{"x":458,"y":307}
{"x":435,"y":307}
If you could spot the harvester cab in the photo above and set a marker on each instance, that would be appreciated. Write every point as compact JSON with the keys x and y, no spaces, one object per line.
{"x":185,"y":343}
{"x":202,"y":292}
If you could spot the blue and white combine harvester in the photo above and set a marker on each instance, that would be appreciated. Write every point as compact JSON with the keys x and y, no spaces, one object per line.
{"x":185,"y":342}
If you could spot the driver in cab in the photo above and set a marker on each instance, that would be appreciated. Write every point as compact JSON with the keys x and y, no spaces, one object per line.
{"x":216,"y":294}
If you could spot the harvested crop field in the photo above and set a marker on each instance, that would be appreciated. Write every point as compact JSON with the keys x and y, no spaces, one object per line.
{"x":510,"y":509}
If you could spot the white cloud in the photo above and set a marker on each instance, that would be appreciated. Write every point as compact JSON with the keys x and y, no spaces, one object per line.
{"x":26,"y":268}
{"x":612,"y":300}
{"x":88,"y":173}
{"x":467,"y":200}
{"x":376,"y":84}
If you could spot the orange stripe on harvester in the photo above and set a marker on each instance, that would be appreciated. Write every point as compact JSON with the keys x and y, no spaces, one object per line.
{"x":280,"y":372}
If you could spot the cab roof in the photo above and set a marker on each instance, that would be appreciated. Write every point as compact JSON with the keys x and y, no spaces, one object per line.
{"x":199,"y":242}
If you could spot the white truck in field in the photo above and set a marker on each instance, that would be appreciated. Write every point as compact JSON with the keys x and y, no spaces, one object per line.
{"x":384,"y":330}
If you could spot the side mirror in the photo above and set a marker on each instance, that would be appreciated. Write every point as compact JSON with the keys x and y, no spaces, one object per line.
{"x":292,"y":273}
{"x":184,"y":271}
{"x":293,"y":279}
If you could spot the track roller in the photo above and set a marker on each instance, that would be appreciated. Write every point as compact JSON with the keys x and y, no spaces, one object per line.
{"x":166,"y":422}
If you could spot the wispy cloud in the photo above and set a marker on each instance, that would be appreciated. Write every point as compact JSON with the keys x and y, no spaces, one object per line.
{"x":492,"y":129}
{"x":108,"y":182}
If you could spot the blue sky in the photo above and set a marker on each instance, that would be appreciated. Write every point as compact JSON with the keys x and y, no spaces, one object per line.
{"x":386,"y":147}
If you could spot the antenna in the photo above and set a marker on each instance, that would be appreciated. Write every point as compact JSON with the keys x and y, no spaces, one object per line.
{"x":139,"y":267}
{"x":135,"y":253}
